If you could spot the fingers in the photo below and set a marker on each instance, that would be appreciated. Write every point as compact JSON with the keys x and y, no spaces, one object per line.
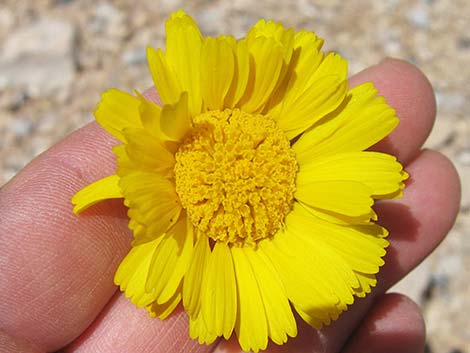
{"x":409,"y":92}
{"x":57,"y":268}
{"x":394,"y":324}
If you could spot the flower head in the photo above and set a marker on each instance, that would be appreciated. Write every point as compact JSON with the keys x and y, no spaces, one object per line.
{"x":250,"y":190}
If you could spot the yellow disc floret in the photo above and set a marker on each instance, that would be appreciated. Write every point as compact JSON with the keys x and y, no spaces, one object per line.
{"x":235,"y":176}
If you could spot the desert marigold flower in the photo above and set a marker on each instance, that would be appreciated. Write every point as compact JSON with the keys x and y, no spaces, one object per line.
{"x":250,"y":191}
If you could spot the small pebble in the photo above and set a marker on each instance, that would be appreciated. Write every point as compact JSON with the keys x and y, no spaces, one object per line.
{"x":134,"y":57}
{"x":463,"y":157}
{"x":463,"y":43}
{"x":418,"y":17}
{"x":21,"y":127}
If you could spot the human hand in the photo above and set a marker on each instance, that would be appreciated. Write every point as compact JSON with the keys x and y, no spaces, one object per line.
{"x":57,"y":269}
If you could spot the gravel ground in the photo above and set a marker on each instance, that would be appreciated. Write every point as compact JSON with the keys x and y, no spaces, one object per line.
{"x":57,"y":56}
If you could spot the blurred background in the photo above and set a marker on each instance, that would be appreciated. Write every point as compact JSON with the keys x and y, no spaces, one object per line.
{"x":57,"y":56}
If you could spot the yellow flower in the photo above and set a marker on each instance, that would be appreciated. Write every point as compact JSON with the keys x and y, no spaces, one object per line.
{"x":250,"y":192}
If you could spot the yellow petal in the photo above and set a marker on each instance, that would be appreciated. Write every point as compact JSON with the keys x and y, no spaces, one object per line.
{"x":285,"y":38}
{"x":252,"y":325}
{"x":280,"y":318}
{"x":192,"y":286}
{"x":152,"y":201}
{"x":241,"y":75}
{"x":366,"y":282}
{"x":356,"y":251}
{"x":310,"y":290}
{"x":363,"y":121}
{"x":332,"y":64}
{"x":322,"y":97}
{"x":305,"y":244}
{"x":301,"y":67}
{"x":147,"y":153}
{"x":175,"y":119}
{"x":198,"y":330}
{"x":379,"y":171}
{"x":344,"y":197}
{"x":164,"y":78}
{"x":132,"y":273}
{"x":138,"y":229}
{"x":360,"y":246}
{"x":307,"y":41}
{"x":219,"y":300}
{"x":106,"y":188}
{"x":170,"y":261}
{"x":307,"y":66}
{"x":339,"y":218}
{"x":268,"y":29}
{"x":150,"y":115}
{"x":116,"y":111}
{"x":267,"y":60}
{"x":311,"y":320}
{"x":277,"y":31}
{"x":170,"y":123}
{"x":217,"y":69}
{"x":183,"y":54}
{"x":125,"y":165}
{"x":162,"y":311}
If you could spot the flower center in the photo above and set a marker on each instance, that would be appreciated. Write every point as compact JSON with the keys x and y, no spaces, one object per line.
{"x":235,"y":176}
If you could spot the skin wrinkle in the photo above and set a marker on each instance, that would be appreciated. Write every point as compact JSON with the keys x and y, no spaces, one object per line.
{"x":165,"y":335}
{"x":81,"y":148}
{"x":10,"y":343}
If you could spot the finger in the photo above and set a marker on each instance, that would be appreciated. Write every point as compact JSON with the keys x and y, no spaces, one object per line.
{"x":394,"y":324}
{"x":57,"y":268}
{"x":418,"y":223}
{"x":10,"y":344}
{"x":409,"y":92}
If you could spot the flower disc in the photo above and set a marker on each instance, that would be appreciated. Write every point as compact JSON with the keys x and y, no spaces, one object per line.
{"x":235,"y":176}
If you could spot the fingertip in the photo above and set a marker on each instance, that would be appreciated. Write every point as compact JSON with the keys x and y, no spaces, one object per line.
{"x":401,"y":82}
{"x":442,"y":182}
{"x":416,"y":87}
{"x":394,"y":324}
{"x":409,"y":92}
{"x":406,"y":312}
